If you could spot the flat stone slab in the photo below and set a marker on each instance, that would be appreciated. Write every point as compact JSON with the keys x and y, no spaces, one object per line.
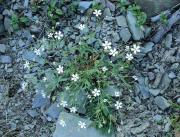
{"x":72,"y":129}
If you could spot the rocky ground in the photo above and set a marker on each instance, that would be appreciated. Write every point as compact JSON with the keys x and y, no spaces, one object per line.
{"x":150,"y":106}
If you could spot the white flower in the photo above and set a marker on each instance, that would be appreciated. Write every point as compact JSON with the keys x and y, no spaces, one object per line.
{"x":104,"y":69}
{"x":106,"y":45}
{"x":33,"y":36}
{"x":75,"y":77}
{"x":24,"y":85}
{"x":129,"y":56}
{"x":62,"y":123}
{"x":50,"y":35}
{"x":37,"y":51}
{"x":63,"y":103}
{"x":96,"y":92}
{"x":73,"y":110}
{"x":81,"y":26}
{"x":127,"y":48}
{"x":135,"y":48}
{"x":60,"y":69}
{"x":135,"y":77}
{"x":82,"y":124}
{"x":44,"y":78}
{"x":118,"y":105}
{"x":67,"y":88}
{"x":105,"y":100}
{"x":117,"y":93}
{"x":97,"y":12}
{"x":26,"y":65}
{"x":113,"y":52}
{"x":58,"y":35}
{"x":88,"y":96}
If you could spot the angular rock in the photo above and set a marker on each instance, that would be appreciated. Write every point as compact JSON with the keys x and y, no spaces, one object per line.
{"x":142,"y":88}
{"x":53,"y":111}
{"x":165,"y":82}
{"x":172,"y":75}
{"x":112,"y":90}
{"x":115,"y":36}
{"x":110,"y":5}
{"x":136,"y":31}
{"x":107,"y":12}
{"x":32,"y":113}
{"x":161,"y":102}
{"x":121,"y":21}
{"x":154,"y":92}
{"x":78,"y":99}
{"x":7,"y":25}
{"x":2,"y":48}
{"x":168,"y":41}
{"x":2,"y":29}
{"x":178,"y":100}
{"x":147,"y":47}
{"x":84,"y":5}
{"x":157,"y":118}
{"x":72,"y":129}
{"x":125,"y":34}
{"x":35,"y":29}
{"x":40,"y":101}
{"x":5,"y":59}
{"x":140,"y":129}
{"x":31,"y":56}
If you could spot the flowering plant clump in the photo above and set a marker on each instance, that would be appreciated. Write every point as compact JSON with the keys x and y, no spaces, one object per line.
{"x":83,"y":69}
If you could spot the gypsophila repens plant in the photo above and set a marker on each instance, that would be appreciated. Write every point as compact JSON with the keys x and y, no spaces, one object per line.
{"x":72,"y":72}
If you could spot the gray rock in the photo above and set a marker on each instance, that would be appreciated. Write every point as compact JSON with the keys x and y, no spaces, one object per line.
{"x":35,"y":29}
{"x":125,"y":34}
{"x":53,"y":111}
{"x":147,"y":31}
{"x":157,"y":118}
{"x":115,"y":36}
{"x":107,"y":12}
{"x":26,"y":3}
{"x":111,"y":90}
{"x":178,"y":100}
{"x":137,"y":32}
{"x":40,"y":101}
{"x":110,"y":5}
{"x":154,"y":92}
{"x":165,"y":82}
{"x":84,"y":5}
{"x":31,"y":56}
{"x":2,"y":29}
{"x":147,"y":47}
{"x":161,"y":102}
{"x":172,"y":75}
{"x":73,"y":130}
{"x":168,"y":41}
{"x":140,"y":129}
{"x":2,"y":48}
{"x":151,"y":76}
{"x":142,"y":88}
{"x":21,"y":43}
{"x":7,"y":25}
{"x":5,"y":59}
{"x":79,"y":98}
{"x":32,"y":113}
{"x":121,"y":21}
